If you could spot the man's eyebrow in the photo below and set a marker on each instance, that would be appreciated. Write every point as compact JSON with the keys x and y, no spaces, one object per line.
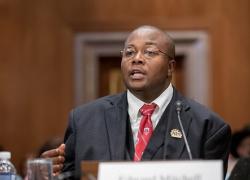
{"x":151,"y":43}
{"x":146,"y":43}
{"x":129,"y":46}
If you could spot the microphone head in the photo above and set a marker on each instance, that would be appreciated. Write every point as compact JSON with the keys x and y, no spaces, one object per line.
{"x":178,"y":105}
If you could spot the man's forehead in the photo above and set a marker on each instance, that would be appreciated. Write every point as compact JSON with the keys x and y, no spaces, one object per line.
{"x":147,"y":37}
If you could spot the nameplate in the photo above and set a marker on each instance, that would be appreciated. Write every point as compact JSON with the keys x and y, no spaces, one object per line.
{"x":161,"y":170}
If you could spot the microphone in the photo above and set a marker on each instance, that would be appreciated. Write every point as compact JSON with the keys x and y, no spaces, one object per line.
{"x":178,"y":105}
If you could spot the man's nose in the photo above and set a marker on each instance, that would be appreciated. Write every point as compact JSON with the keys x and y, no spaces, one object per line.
{"x":139,"y":58}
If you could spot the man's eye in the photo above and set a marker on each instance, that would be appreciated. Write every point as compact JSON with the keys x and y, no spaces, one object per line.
{"x":150,"y":53}
{"x":129,"y":53}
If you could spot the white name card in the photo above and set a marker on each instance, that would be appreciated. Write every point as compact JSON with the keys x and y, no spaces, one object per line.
{"x":161,"y":170}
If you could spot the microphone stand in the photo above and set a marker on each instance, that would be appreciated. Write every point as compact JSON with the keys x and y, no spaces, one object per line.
{"x":178,"y":109}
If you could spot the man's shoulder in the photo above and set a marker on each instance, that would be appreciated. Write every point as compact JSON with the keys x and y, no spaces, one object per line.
{"x":189,"y":104}
{"x":204,"y":113}
{"x":198,"y":107}
{"x":103,"y":102}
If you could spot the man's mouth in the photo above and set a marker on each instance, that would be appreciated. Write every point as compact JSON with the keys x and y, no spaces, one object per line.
{"x":137,"y":74}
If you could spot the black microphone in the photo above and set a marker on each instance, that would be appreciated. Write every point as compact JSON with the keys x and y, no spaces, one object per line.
{"x":178,"y":105}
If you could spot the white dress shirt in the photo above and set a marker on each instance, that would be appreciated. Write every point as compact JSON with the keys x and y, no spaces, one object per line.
{"x":134,"y":105}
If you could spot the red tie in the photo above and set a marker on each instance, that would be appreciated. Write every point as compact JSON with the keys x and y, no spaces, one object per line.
{"x":145,"y":130}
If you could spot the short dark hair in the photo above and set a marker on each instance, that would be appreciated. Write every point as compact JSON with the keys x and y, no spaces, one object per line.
{"x":237,"y":138}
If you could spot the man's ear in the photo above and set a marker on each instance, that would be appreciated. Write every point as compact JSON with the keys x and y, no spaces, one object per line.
{"x":171,"y":67}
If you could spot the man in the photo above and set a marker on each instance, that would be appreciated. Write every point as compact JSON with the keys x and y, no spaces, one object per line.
{"x":116,"y":128}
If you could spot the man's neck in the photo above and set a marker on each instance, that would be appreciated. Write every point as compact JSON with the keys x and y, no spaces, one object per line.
{"x":149,"y":96}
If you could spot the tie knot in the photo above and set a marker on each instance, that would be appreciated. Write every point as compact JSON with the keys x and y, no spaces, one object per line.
{"x":148,"y":109}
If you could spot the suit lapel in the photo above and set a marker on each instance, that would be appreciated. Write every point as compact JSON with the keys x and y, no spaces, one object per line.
{"x":116,"y":117}
{"x":174,"y":146}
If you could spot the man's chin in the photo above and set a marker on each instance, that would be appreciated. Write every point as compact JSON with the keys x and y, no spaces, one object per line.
{"x":137,"y":88}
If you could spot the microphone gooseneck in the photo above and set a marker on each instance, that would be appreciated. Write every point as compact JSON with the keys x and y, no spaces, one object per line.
{"x":178,"y":104}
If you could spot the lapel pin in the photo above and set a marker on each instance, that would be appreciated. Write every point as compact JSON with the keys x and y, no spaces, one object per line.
{"x":176,"y":133}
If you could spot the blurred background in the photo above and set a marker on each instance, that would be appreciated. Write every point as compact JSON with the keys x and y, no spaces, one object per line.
{"x":56,"y":54}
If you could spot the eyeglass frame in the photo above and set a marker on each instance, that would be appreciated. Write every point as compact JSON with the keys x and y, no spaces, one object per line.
{"x":158,"y":51}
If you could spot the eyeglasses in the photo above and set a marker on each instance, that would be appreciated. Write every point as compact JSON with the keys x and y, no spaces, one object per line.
{"x":146,"y":53}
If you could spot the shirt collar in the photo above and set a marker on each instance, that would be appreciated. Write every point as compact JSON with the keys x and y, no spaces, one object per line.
{"x":134,"y":104}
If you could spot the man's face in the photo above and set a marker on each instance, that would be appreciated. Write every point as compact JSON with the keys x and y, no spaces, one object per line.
{"x":144,"y":67}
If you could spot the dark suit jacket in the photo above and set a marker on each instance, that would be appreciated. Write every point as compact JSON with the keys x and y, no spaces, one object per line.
{"x":98,"y":131}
